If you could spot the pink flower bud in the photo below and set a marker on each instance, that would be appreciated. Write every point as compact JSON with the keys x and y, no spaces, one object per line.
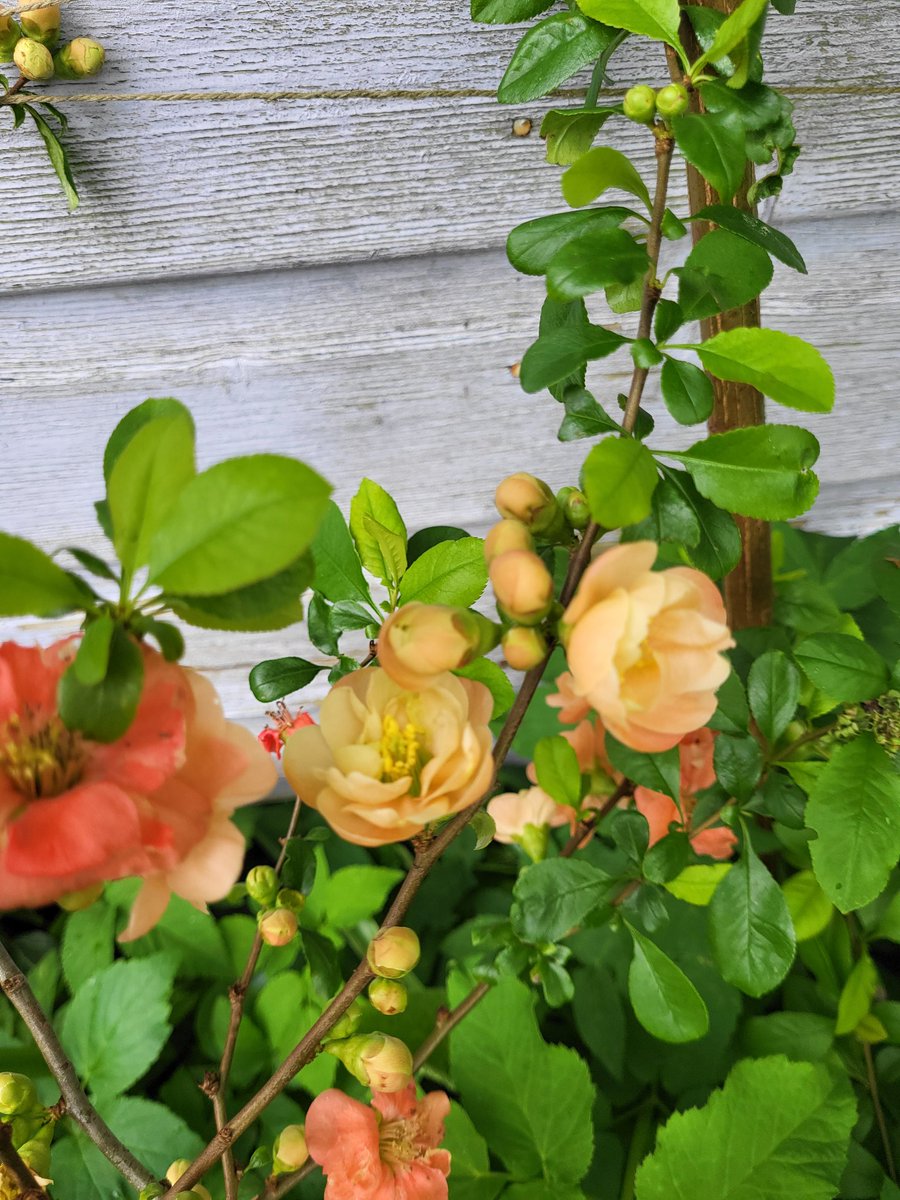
{"x":17,"y":1094}
{"x":524,"y":498}
{"x":378,"y":1061}
{"x":506,"y":535}
{"x":290,"y":1151}
{"x":523,"y":586}
{"x":278,"y":927}
{"x":394,"y":953}
{"x":523,"y":647}
{"x":388,"y":996}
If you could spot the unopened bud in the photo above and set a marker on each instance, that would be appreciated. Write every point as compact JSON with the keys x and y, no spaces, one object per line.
{"x":523,"y":586}
{"x":33,"y":60}
{"x":523,"y":497}
{"x":419,"y":642}
{"x":640,"y":104}
{"x":76,"y":901}
{"x":574,"y":506}
{"x":36,"y":1157}
{"x":17,"y":1094}
{"x":290,"y":1151}
{"x":10,"y":36}
{"x":388,"y":996}
{"x":153,"y":1191}
{"x":278,"y":926}
{"x":394,"y":953}
{"x":348,"y":1023}
{"x":672,"y":101}
{"x":175,"y":1172}
{"x":506,"y":535}
{"x":42,"y":24}
{"x":291,"y":899}
{"x":524,"y":647}
{"x":80,"y":59}
{"x":262,"y":885}
{"x":378,"y":1061}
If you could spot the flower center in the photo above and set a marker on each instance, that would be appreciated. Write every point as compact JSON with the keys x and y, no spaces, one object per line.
{"x":40,"y":760}
{"x":402,"y":752}
{"x":397,"y":1142}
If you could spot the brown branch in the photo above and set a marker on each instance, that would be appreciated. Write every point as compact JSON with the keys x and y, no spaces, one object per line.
{"x":879,"y":1111}
{"x":589,"y":824}
{"x":11,"y":1160}
{"x":20,"y":995}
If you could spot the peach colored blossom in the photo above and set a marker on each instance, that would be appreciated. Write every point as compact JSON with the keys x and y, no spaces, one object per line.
{"x":695,"y":752}
{"x":385,"y":762}
{"x":572,"y":707}
{"x":388,"y":1151}
{"x":513,"y":811}
{"x":645,"y":648}
{"x":419,"y":642}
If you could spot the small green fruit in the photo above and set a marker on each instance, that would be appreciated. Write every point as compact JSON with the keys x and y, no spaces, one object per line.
{"x":80,"y":59}
{"x":640,"y":104}
{"x":672,"y":101}
{"x":33,"y":60}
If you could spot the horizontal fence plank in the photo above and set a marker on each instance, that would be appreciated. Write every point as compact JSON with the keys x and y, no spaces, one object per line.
{"x":224,"y":187}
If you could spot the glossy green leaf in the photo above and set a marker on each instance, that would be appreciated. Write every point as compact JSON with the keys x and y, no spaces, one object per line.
{"x":857,"y":995}
{"x":718,"y":549}
{"x":715,"y":144}
{"x":562,"y":352}
{"x":506,"y":12}
{"x":594,"y":261}
{"x":237,"y":523}
{"x":686,"y":391}
{"x":433,"y":535}
{"x":667,"y":319}
{"x":278,"y":677}
{"x":550,"y":53}
{"x":658,"y":772}
{"x":799,"y":1036}
{"x":56,"y":152}
{"x":750,"y":927}
{"x":356,"y":893}
{"x":338,"y":570}
{"x":738,"y":762}
{"x":88,"y":943}
{"x":773,"y":688}
{"x":752,"y":229}
{"x":854,"y":808}
{"x":584,"y":417}
{"x":133,"y":421}
{"x":657,"y":19}
{"x":732,"y":713}
{"x":495,"y":679}
{"x":92,"y":660}
{"x":379,"y":532}
{"x":723,"y":271}
{"x":843,"y":667}
{"x":531,"y":246}
{"x":553,"y":897}
{"x":104,"y":711}
{"x":32,"y":584}
{"x":733,"y":30}
{"x":630,"y":831}
{"x":557,"y":769}
{"x":619,"y":477}
{"x":663,"y":998}
{"x":698,"y":884}
{"x":671,"y":519}
{"x":569,"y":133}
{"x":785,"y":368}
{"x":93,"y":563}
{"x":596,"y":172}
{"x":450,"y":573}
{"x":810,"y":909}
{"x":762,"y":471}
{"x":273,"y":603}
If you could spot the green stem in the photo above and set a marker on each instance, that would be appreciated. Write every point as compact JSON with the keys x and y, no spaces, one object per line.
{"x":637,"y":1149}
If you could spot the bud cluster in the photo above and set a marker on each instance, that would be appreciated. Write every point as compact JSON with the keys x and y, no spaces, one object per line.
{"x":880,"y":717}
{"x":642,"y":104}
{"x":30,"y":1124}
{"x":279,"y":907}
{"x":29,"y":42}
{"x":379,"y":1061}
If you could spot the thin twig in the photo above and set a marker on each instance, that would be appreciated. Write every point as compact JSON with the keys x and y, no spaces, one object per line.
{"x":29,"y":1188}
{"x":589,"y":824}
{"x":879,"y":1112}
{"x":20,"y":995}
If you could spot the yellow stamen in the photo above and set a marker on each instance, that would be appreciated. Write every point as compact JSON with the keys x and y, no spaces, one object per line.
{"x":402,"y":751}
{"x":40,"y":759}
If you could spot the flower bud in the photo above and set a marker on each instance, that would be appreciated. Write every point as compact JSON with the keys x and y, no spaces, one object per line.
{"x":152,"y":1191}
{"x":36,"y":1157}
{"x":17,"y":1094}
{"x":10,"y":36}
{"x":290,"y":1150}
{"x":378,"y":1061}
{"x":419,"y":642}
{"x":388,"y":996}
{"x":262,"y":886}
{"x":80,"y":59}
{"x":348,"y":1023}
{"x":673,"y":101}
{"x":523,"y":497}
{"x":76,"y":901}
{"x":33,"y":60}
{"x":506,"y":535}
{"x":175,"y":1172}
{"x":523,"y":586}
{"x":42,"y":25}
{"x":394,"y":953}
{"x":523,"y":647}
{"x":278,"y":926}
{"x":574,"y":506}
{"x":292,"y":900}
{"x":640,"y":104}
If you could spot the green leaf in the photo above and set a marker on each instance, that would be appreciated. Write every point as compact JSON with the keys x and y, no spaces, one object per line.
{"x":802,"y":1037}
{"x":432,"y":535}
{"x":449,"y":573}
{"x":93,"y":563}
{"x":506,"y":12}
{"x":132,"y":423}
{"x":752,"y":229}
{"x":552,"y":897}
{"x":550,"y":53}
{"x":57,"y":154}
{"x":671,"y":519}
{"x":379,"y":532}
{"x":658,"y":772}
{"x":619,"y":478}
{"x":531,"y":246}
{"x":31,"y":584}
{"x":594,"y":261}
{"x":86,"y":1172}
{"x":495,"y":679}
{"x":532,"y":1102}
{"x":810,"y":908}
{"x":843,"y":667}
{"x":562,"y":352}
{"x":782,"y":367}
{"x":278,"y":677}
{"x":630,"y":831}
{"x":146,"y":480}
{"x":718,"y":549}
{"x":564,"y":315}
{"x":569,"y":132}
{"x":857,"y":995}
{"x":686,"y":391}
{"x":761,"y":471}
{"x":714,"y":143}
{"x":663,"y":998}
{"x":776,"y":1129}
{"x":854,"y":808}
{"x":237,"y":523}
{"x":667,"y":319}
{"x":473,"y":1178}
{"x":92,"y":660}
{"x":103,"y":712}
{"x":723,"y":271}
{"x":272,"y":603}
{"x":151,"y":1132}
{"x":353,"y":894}
{"x":584,"y":417}
{"x":733,"y":30}
{"x":657,"y":19}
{"x":597,"y":171}
{"x":557,"y":769}
{"x":750,"y":927}
{"x":739,"y":762}
{"x":109,"y":1049}
{"x":773,"y":687}
{"x":338,"y":571}
{"x":698,"y":884}
{"x":88,"y":944}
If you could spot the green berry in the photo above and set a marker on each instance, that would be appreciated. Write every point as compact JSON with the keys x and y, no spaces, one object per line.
{"x":672,"y":101}
{"x":640,"y":104}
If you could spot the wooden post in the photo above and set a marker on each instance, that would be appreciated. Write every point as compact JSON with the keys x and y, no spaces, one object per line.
{"x":748,"y":589}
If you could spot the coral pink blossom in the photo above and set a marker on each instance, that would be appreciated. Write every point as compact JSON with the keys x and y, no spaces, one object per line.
{"x":385,"y":1152}
{"x":272,"y":738}
{"x":513,"y":811}
{"x":645,"y":647}
{"x":695,"y":752}
{"x":154,"y":803}
{"x":572,"y":707}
